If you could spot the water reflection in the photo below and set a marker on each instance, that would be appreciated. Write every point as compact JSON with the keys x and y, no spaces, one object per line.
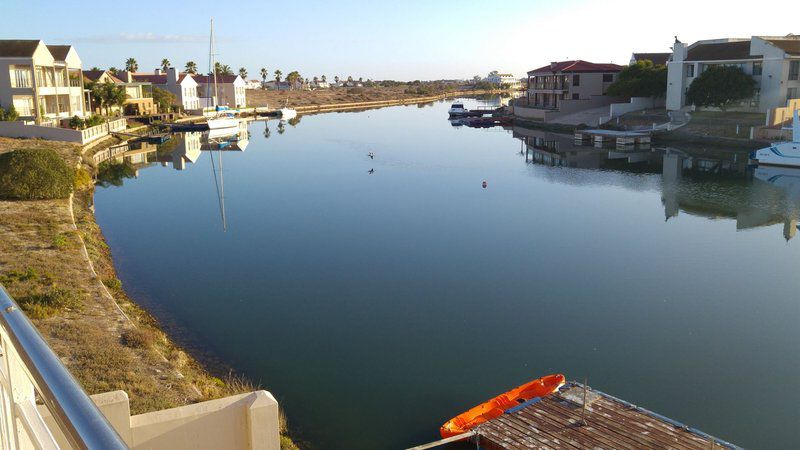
{"x":700,"y":182}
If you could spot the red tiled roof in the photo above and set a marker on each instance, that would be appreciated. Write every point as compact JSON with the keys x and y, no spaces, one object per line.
{"x":577,"y":66}
{"x":205,"y":79}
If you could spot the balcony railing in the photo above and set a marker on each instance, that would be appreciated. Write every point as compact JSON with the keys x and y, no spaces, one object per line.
{"x":31,"y":373}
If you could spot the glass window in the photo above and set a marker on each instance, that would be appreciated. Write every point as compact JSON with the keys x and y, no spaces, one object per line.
{"x":690,"y":70}
{"x":20,"y":76}
{"x":23,"y":104}
{"x":794,"y":70}
{"x":576,"y":80}
{"x":791,"y":93}
{"x":757,"y":68}
{"x":608,"y":77}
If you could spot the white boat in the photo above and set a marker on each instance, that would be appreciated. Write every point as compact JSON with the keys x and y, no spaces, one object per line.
{"x":287,"y":113}
{"x":782,"y":153}
{"x":221,"y":117}
{"x":457,"y":109}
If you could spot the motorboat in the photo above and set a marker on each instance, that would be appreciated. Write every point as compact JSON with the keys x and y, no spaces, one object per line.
{"x":287,"y":113}
{"x":782,"y":153}
{"x":457,"y":110}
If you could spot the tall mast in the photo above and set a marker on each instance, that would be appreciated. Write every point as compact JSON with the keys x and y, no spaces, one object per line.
{"x":213,"y":63}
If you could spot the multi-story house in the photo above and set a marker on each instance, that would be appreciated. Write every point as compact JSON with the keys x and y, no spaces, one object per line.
{"x":772,"y":61}
{"x":139,"y":94}
{"x":181,"y":84}
{"x":500,"y":79}
{"x":230,"y":90}
{"x":548,"y":86}
{"x":43,"y":82}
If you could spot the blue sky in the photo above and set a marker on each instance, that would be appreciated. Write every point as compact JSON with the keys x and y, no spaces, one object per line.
{"x":383,"y":40}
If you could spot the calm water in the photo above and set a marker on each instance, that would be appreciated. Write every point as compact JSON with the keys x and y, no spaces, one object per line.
{"x":377,"y":305}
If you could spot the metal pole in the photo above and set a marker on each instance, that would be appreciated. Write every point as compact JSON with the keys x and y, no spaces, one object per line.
{"x":76,"y":414}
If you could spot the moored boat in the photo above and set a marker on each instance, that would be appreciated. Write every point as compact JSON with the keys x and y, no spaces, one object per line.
{"x":496,"y":406}
{"x":782,"y":153}
{"x":457,"y":110}
{"x":287,"y":113}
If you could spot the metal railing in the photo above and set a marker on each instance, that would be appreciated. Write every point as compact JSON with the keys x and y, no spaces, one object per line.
{"x":31,"y":373}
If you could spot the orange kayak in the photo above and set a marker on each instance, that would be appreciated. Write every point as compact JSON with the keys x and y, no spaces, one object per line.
{"x":498,"y":405}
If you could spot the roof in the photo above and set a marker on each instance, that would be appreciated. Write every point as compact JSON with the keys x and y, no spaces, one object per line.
{"x":18,"y":48}
{"x":156,"y":79}
{"x":94,"y":75}
{"x":59,"y":52}
{"x":790,"y":45}
{"x":577,"y":66}
{"x":205,"y":79}
{"x":656,"y":58}
{"x":720,"y":51}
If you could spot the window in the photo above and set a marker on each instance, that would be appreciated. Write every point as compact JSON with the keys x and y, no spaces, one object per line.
{"x":576,"y":80}
{"x":24,"y":105}
{"x":794,"y":70}
{"x":576,"y":96}
{"x":690,"y":70}
{"x":791,"y":93}
{"x":757,"y":68}
{"x":20,"y":76}
{"x":75,"y":103}
{"x":608,"y":77}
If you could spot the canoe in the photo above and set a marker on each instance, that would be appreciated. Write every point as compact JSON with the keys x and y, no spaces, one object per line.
{"x":496,"y":406}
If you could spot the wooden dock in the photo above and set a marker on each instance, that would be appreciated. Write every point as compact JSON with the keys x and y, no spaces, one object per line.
{"x":620,"y":139}
{"x":560,"y":422}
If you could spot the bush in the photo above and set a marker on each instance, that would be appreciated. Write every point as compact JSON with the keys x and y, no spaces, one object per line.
{"x":60,"y":241}
{"x":76,"y":123}
{"x":138,"y":338}
{"x":82,"y":179}
{"x":8,"y":115}
{"x":42,"y":306}
{"x":93,"y":121}
{"x":29,"y":174}
{"x":113,"y":283}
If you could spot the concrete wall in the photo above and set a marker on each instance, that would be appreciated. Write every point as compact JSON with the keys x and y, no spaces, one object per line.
{"x":245,"y":421}
{"x":20,"y":130}
{"x":635,"y":104}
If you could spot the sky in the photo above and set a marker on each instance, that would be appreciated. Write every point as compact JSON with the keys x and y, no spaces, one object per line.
{"x":408,"y":40}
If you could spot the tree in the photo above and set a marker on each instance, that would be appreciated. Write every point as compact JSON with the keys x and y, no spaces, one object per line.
{"x":95,"y":68}
{"x":9,"y":115}
{"x":293,"y":77}
{"x":316,"y":80}
{"x":243,"y":73}
{"x":191,"y":67}
{"x":350,"y":79}
{"x":720,"y":87}
{"x":222,"y":69}
{"x":476,"y":79}
{"x":165,"y":64}
{"x":278,"y":75}
{"x":360,"y":79}
{"x":105,"y":95}
{"x":336,"y":79}
{"x":165,"y":99}
{"x":113,"y":70}
{"x":643,"y":79}
{"x":264,"y":74}
{"x":131,"y":65}
{"x":324,"y":79}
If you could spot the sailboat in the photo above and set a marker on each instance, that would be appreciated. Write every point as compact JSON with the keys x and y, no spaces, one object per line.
{"x":222,"y":117}
{"x":782,"y":153}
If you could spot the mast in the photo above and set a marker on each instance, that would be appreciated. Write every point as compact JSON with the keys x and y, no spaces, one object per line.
{"x":212,"y":62}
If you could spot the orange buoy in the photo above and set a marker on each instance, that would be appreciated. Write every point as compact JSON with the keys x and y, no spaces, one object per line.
{"x":496,"y":406}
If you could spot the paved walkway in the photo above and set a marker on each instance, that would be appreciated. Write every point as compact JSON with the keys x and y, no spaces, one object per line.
{"x":589,"y":117}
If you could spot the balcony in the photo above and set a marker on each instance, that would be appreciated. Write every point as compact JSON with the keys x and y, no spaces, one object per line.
{"x":43,"y":407}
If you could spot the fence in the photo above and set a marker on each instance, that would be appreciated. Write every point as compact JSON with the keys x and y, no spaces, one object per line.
{"x":30,"y":371}
{"x":21,"y":130}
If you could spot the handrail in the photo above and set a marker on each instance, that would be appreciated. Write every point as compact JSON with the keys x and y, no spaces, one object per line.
{"x":75,"y":413}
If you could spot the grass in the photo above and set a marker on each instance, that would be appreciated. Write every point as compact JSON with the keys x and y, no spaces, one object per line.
{"x":53,"y":301}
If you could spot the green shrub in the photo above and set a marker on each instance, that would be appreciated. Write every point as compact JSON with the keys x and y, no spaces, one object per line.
{"x":44,"y":305}
{"x":8,"y":115}
{"x":30,"y":174}
{"x":60,"y":241}
{"x":94,"y":120}
{"x":113,"y":283}
{"x":18,"y":275}
{"x":76,"y":123}
{"x":82,"y":179}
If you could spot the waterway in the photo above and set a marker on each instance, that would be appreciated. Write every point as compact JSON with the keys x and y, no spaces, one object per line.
{"x":377,"y":297}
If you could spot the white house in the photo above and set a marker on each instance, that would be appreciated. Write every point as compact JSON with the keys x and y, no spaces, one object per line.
{"x":253,"y":84}
{"x":230,"y":89}
{"x":500,"y":79}
{"x":43,"y":82}
{"x":773,"y":61}
{"x":181,"y":84}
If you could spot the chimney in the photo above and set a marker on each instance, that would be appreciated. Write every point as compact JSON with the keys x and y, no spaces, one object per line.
{"x":157,"y":72}
{"x":128,"y":77}
{"x":679,"y":50}
{"x":172,"y":76}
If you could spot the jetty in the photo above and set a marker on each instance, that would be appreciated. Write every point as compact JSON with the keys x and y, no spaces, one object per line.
{"x":151,"y":137}
{"x":579,"y":417}
{"x":620,"y":139}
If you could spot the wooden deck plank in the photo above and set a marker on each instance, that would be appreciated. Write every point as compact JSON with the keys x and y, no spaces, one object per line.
{"x":510,"y":439}
{"x":541,"y":435}
{"x":534,"y":437}
{"x":532,"y":418}
{"x":568,"y":431}
{"x":594,"y":428}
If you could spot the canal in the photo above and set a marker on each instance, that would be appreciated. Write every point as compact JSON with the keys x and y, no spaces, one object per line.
{"x":378,"y":297}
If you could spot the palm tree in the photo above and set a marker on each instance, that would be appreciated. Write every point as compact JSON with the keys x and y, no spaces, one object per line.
{"x":324,"y":79}
{"x":264,"y":75}
{"x":316,"y":80}
{"x":278,"y":75}
{"x":191,"y":67}
{"x":131,"y":65}
{"x":243,"y":73}
{"x":336,"y":79}
{"x":165,"y":64}
{"x":226,"y":70}
{"x":360,"y":79}
{"x":349,"y":79}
